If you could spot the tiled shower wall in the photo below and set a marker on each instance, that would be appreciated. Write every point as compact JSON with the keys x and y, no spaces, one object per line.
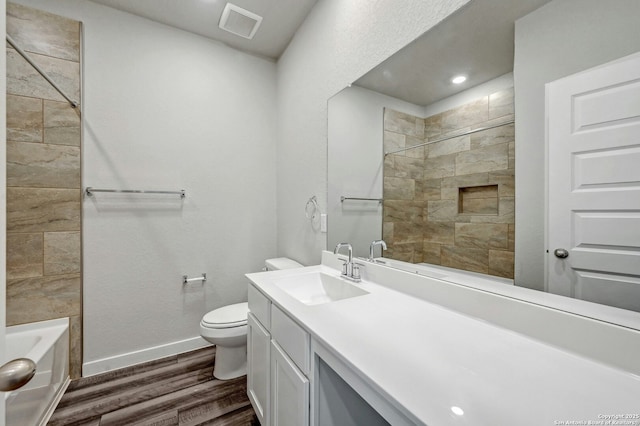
{"x":43,"y":175}
{"x":451,"y":203}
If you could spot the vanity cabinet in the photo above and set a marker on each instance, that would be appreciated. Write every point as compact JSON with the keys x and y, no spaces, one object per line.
{"x":278,"y":353}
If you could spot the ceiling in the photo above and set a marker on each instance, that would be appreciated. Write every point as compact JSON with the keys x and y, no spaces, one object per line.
{"x":477,"y":41}
{"x":281,"y":19}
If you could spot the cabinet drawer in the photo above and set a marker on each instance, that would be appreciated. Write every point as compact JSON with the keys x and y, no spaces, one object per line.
{"x":260,"y":306}
{"x":291,"y":337}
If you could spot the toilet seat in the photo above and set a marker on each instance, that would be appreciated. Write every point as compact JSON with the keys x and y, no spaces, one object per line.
{"x":227,"y":317}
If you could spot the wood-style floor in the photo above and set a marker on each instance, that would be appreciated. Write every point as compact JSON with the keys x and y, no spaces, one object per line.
{"x":173,"y":391}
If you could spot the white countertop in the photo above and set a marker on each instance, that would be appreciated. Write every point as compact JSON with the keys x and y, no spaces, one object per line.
{"x":425,"y":359}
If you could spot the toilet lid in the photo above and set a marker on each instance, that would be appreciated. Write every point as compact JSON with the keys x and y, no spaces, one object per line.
{"x":227,"y":316}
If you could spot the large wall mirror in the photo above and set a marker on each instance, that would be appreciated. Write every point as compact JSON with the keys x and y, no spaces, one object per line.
{"x":455,"y":174}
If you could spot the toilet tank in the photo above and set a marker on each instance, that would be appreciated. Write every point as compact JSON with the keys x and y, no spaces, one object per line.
{"x":281,"y":263}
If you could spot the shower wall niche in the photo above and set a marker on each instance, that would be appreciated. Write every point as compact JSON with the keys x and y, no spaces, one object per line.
{"x":452,"y":203}
{"x":44,"y":278}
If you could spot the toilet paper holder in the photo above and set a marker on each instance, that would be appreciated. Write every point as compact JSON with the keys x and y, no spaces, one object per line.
{"x":186,"y":279}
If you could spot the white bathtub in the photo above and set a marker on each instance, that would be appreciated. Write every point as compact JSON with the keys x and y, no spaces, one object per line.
{"x":47,"y":344}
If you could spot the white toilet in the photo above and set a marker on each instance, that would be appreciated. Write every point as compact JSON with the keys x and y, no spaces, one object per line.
{"x":226,"y":328}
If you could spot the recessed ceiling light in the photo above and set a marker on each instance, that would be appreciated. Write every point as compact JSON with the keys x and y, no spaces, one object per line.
{"x":457,"y":410}
{"x":459,"y":79}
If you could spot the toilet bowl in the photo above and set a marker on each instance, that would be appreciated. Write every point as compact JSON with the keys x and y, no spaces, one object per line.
{"x":226,"y":328}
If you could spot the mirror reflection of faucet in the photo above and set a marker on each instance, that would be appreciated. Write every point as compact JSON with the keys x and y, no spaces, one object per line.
{"x":383,"y":246}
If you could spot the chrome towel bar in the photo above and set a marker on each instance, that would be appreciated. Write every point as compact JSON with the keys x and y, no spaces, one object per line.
{"x":90,"y":191}
{"x":186,"y":279}
{"x":343,"y":199}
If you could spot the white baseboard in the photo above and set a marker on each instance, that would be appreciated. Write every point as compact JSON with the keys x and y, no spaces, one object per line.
{"x":132,"y":358}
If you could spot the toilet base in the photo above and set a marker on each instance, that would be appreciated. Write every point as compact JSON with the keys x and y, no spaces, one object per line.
{"x":230,"y":362}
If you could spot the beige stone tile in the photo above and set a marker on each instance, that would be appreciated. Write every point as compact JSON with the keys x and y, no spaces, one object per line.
{"x":61,"y":253}
{"x":451,"y":185}
{"x":406,"y":252}
{"x":399,"y":122}
{"x":501,"y":263}
{"x":468,"y":259}
{"x":24,"y":80}
{"x":24,"y":119}
{"x":43,"y":210}
{"x":408,"y":167}
{"x":505,"y":179}
{"x":403,"y":211}
{"x":512,"y":237}
{"x":61,"y":124}
{"x":431,"y":189}
{"x":479,"y":206}
{"x":495,"y":136}
{"x":393,"y":141}
{"x":399,"y":188}
{"x":506,"y":212}
{"x":387,"y":232}
{"x":440,"y":167}
{"x":482,"y":235}
{"x":442,"y":210}
{"x":42,"y":32}
{"x":42,"y":298}
{"x":439,"y":232}
{"x":417,"y":151}
{"x":433,"y":126}
{"x":41,"y":165}
{"x":466,"y":115}
{"x":480,"y":191}
{"x":75,"y":346}
{"x":407,"y":232}
{"x":431,"y":253}
{"x":24,"y":255}
{"x":501,"y":103}
{"x":449,"y":146}
{"x":487,"y":159}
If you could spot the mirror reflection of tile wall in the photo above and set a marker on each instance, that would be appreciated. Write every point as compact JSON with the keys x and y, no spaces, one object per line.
{"x":452,"y":203}
{"x":43,"y":175}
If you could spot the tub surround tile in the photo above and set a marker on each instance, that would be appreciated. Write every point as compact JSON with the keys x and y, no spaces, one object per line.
{"x":41,"y":165}
{"x":61,"y":124}
{"x":75,"y":347}
{"x":512,"y":237}
{"x":415,"y":151}
{"x":393,"y":141}
{"x":470,"y":259}
{"x":406,"y":124}
{"x":466,"y":189}
{"x":24,"y":255}
{"x":43,"y":210}
{"x":501,"y":263}
{"x":42,"y":298}
{"x":24,"y":80}
{"x":41,"y":32}
{"x":24,"y":119}
{"x":61,"y":253}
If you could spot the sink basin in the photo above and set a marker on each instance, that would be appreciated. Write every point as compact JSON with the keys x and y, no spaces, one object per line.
{"x":317,"y":288}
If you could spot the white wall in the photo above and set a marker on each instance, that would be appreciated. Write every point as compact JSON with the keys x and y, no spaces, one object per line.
{"x":355,"y":164}
{"x":165,"y":109}
{"x":559,"y":39}
{"x":338,"y":42}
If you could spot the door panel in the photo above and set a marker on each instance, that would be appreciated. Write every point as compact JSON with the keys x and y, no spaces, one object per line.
{"x":593,"y":148}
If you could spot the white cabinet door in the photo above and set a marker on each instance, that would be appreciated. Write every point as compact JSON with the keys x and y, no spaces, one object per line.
{"x":289,"y":391}
{"x":258,"y":368}
{"x":594,"y":184}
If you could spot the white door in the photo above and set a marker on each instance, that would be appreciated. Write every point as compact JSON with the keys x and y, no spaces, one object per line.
{"x":593,"y":148}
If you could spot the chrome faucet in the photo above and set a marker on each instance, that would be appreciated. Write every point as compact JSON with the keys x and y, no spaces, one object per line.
{"x":380,"y":243}
{"x":349,"y":270}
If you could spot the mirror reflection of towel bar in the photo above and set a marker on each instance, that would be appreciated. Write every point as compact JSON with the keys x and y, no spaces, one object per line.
{"x":343,"y":199}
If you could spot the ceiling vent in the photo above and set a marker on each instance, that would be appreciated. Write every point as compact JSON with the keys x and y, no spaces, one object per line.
{"x":239,"y":21}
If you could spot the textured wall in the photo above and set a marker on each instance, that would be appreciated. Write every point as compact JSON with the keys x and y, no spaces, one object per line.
{"x":43,"y":174}
{"x":451,"y":203}
{"x":166,"y":109}
{"x":339,"y":41}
